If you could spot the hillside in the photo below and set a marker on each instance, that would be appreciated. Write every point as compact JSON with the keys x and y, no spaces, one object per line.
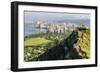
{"x":58,"y":46}
{"x":45,"y":46}
{"x":79,"y":43}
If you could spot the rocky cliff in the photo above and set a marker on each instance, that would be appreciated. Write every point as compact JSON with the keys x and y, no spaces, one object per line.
{"x":79,"y":43}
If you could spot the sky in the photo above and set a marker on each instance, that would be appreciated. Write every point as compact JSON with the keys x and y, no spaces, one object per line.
{"x":56,"y":17}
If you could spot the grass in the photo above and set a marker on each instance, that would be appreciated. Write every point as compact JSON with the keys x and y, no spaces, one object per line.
{"x":36,"y":41}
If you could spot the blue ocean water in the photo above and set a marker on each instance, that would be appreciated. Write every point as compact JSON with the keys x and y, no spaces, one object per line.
{"x":29,"y":30}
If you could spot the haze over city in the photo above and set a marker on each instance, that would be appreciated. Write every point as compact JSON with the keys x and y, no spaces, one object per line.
{"x":56,"y":17}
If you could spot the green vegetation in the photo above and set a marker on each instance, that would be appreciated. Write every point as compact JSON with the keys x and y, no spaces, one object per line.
{"x":36,"y":41}
{"x":39,"y":44}
{"x":57,"y":46}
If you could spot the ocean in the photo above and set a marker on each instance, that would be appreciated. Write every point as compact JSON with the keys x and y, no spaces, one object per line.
{"x":29,"y":30}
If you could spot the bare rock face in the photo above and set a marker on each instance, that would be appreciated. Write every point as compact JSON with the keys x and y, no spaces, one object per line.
{"x":79,"y":43}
